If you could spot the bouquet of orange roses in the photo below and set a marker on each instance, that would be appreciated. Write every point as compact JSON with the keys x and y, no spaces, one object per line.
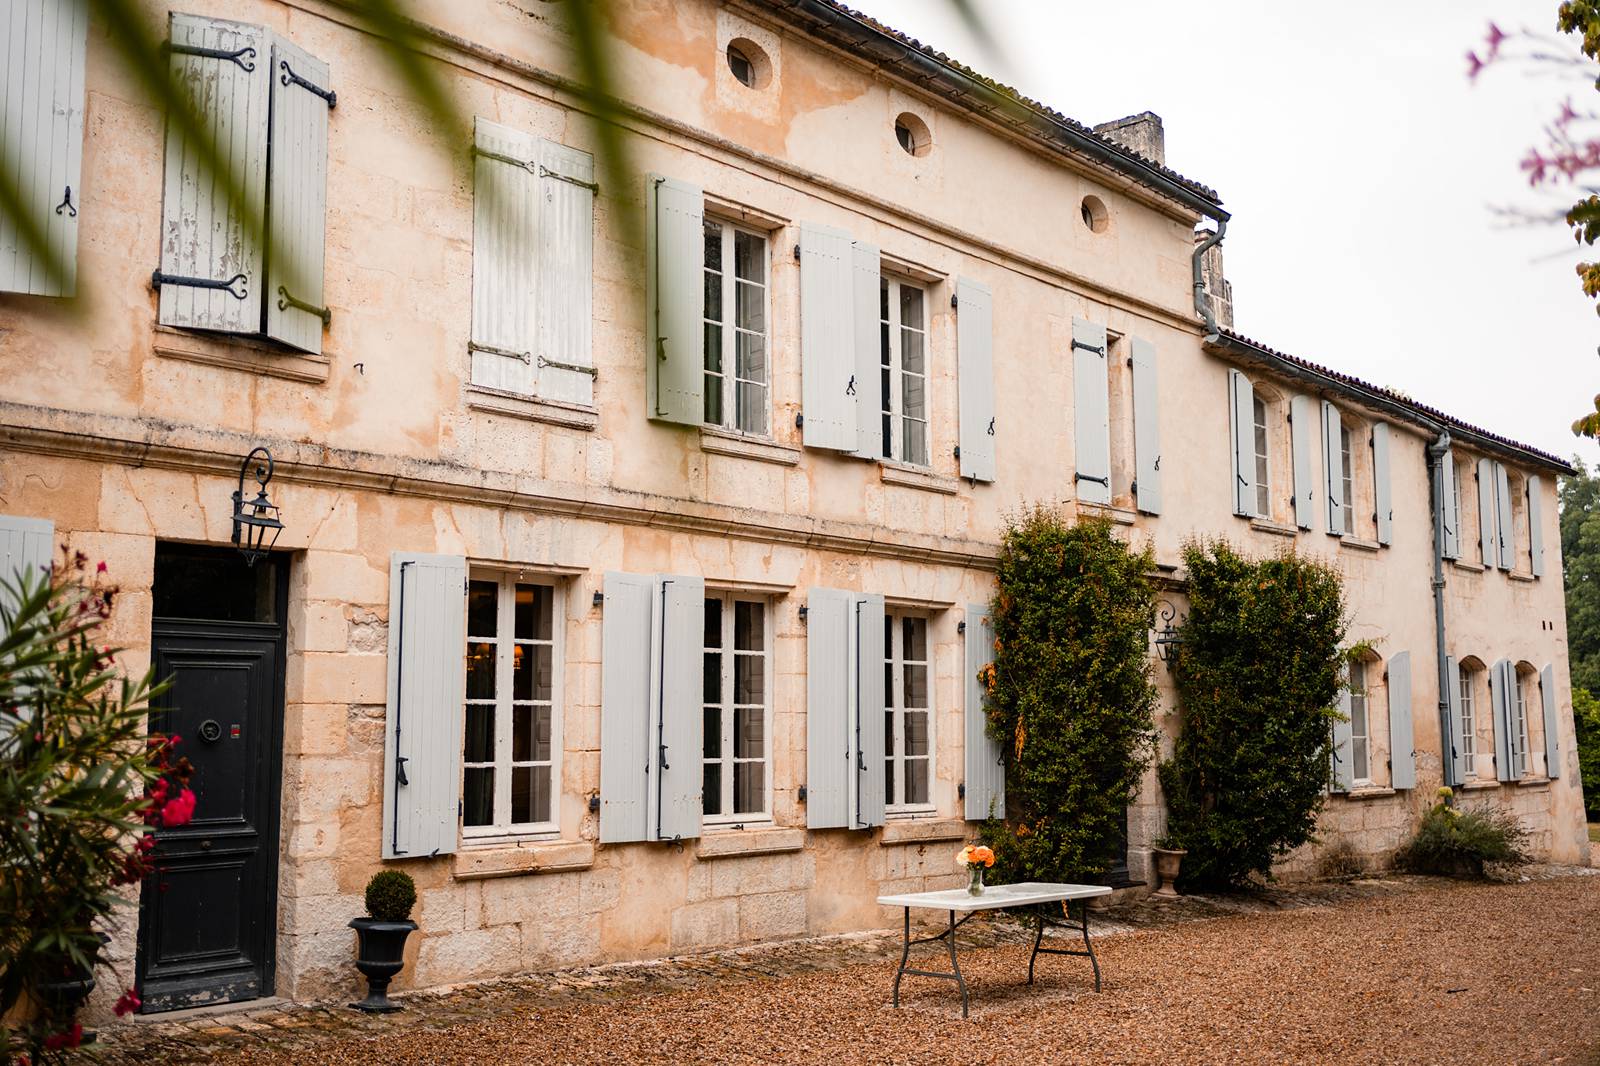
{"x":976,"y":858}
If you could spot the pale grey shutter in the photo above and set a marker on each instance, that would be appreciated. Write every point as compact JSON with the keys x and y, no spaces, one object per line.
{"x":627,"y":667}
{"x":1091,"y":393}
{"x":27,"y":550}
{"x":985,"y":764}
{"x":675,"y":367}
{"x":827,"y":339}
{"x":297,"y":198}
{"x":1536,"y":524}
{"x":1146,"y":427}
{"x":1507,"y":535}
{"x":829,"y":690}
{"x":1488,"y":546}
{"x":505,"y":240}
{"x":866,"y":280}
{"x":975,"y":355}
{"x":1333,"y":468}
{"x":1452,"y":757}
{"x":1552,"y":725}
{"x":1241,"y":423}
{"x":1402,"y":739}
{"x":1382,"y":493}
{"x":564,"y":319}
{"x":1342,"y":733}
{"x":870,"y":754}
{"x":680,"y":722}
{"x":1500,"y":697}
{"x":427,"y":684}
{"x":41,"y":113}
{"x":204,"y":234}
{"x":1302,"y":431}
{"x":1449,"y":508}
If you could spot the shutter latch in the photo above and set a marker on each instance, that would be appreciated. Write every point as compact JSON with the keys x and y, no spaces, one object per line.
{"x":286,"y":300}
{"x":158,"y":279}
{"x":289,"y":77}
{"x":400,"y":770}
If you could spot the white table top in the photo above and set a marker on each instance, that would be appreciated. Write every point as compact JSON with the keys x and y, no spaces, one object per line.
{"x":994,"y":897}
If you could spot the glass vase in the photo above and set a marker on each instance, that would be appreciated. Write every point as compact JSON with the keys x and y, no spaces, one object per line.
{"x":975,"y":886}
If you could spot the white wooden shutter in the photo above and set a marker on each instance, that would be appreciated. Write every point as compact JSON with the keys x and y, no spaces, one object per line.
{"x":1241,"y":423}
{"x":564,"y":275}
{"x":204,"y":235}
{"x":1552,"y":724}
{"x":1507,"y":534}
{"x":1501,"y":695}
{"x":1449,"y":507}
{"x":827,"y":339}
{"x":1303,"y":432}
{"x":1091,"y":392}
{"x":829,"y":692}
{"x":985,"y":763}
{"x":41,"y":150}
{"x":297,"y":197}
{"x":1146,"y":427}
{"x":866,"y":282}
{"x":975,"y":354}
{"x":1536,"y":524}
{"x":427,"y":687}
{"x":1382,"y":492}
{"x":676,"y":301}
{"x":680,"y":714}
{"x":1342,"y":734}
{"x":505,"y":242}
{"x":870,"y":796}
{"x":1402,"y":736}
{"x":1488,"y":545}
{"x":27,"y":551}
{"x":1333,"y":468}
{"x":1452,"y":757}
{"x":627,"y":664}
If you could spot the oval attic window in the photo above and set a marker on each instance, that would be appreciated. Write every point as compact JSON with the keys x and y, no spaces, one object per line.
{"x":749,"y":64}
{"x":1094,"y":214}
{"x":913,"y":134}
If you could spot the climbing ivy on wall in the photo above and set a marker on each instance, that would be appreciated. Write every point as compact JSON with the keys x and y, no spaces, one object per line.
{"x":1070,"y":693}
{"x":1258,"y":675}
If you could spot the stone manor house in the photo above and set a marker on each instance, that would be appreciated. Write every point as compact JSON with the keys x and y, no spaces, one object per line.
{"x":637,"y":525}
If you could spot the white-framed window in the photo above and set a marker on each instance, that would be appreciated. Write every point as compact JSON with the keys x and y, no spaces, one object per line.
{"x":1519,"y":722}
{"x":737,"y":367}
{"x":1347,"y":454}
{"x":908,"y":713}
{"x":738,"y":710}
{"x":1468,"y":726}
{"x":1258,"y":405}
{"x":1360,"y":726}
{"x":903,"y":384}
{"x":511,"y":750}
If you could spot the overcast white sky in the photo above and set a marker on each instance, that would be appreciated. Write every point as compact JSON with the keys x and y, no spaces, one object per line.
{"x":1360,"y":166}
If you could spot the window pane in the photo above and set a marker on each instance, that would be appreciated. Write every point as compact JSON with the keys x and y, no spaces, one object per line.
{"x":750,"y":733}
{"x":522,"y":672}
{"x":749,"y":679}
{"x":883,"y":299}
{"x":1358,"y":716}
{"x":888,"y":781}
{"x":543,"y":794}
{"x":916,"y":781}
{"x":713,"y":298}
{"x":916,"y":732}
{"x":751,"y":351}
{"x":1358,"y":758}
{"x":749,"y":788}
{"x":713,"y":733}
{"x":749,"y":620}
{"x":888,"y":735}
{"x":911,"y":355}
{"x":914,"y":448}
{"x":482,"y":606}
{"x":711,"y":788}
{"x":477,"y":796}
{"x":711,"y":684}
{"x":749,"y":257}
{"x":479,"y":745}
{"x":916,"y":690}
{"x":713,"y":232}
{"x":713,"y":349}
{"x":522,"y":794}
{"x":911,"y":307}
{"x":521,"y":734}
{"x":480,"y":671}
{"x":713,"y":633}
{"x":752,"y":401}
{"x":535,"y":604}
{"x":750,"y":306}
{"x":532,"y":672}
{"x":914,"y":634}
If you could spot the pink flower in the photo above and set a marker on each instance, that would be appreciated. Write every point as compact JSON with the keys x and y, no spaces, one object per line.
{"x":179,"y":811}
{"x":1496,"y":35}
{"x":101,"y":568}
{"x":71,"y":1038}
{"x":127,"y":1003}
{"x":1474,"y":66}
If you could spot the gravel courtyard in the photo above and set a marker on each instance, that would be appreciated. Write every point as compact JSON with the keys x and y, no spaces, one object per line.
{"x":1402,"y":971}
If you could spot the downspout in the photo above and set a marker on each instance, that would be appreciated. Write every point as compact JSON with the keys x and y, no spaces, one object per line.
{"x":1436,"y":453}
{"x":1202,"y":303}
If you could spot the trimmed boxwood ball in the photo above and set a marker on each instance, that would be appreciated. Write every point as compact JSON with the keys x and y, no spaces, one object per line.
{"x":390,"y":895}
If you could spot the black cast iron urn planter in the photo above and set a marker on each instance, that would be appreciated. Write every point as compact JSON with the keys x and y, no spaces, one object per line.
{"x":380,"y":954}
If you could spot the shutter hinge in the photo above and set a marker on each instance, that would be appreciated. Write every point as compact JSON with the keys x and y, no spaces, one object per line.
{"x":1100,"y":351}
{"x":797,"y":253}
{"x":286,"y":299}
{"x":546,"y":172}
{"x":576,"y":368}
{"x":241,"y":56}
{"x":158,"y":279}
{"x":1106,"y":481}
{"x":400,"y":770}
{"x":952,"y":301}
{"x":802,"y":793}
{"x":957,"y":450}
{"x":289,"y":77}
{"x":799,"y":421}
{"x":474,"y":346}
{"x":961,"y":790}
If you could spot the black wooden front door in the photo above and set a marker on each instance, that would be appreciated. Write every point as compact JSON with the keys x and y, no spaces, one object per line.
{"x":208,"y":917}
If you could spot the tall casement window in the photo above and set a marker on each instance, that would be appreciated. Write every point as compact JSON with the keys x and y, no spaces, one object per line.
{"x":1258,"y":407}
{"x":737,"y":699}
{"x":737,"y":381}
{"x":1519,"y":720}
{"x":907,"y":720}
{"x":904,"y":370}
{"x":1467,"y":736}
{"x":509,"y":755}
{"x":1348,"y":456}
{"x":1360,"y":727}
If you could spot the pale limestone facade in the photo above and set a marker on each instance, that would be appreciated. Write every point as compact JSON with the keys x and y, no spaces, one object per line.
{"x":125,"y":433}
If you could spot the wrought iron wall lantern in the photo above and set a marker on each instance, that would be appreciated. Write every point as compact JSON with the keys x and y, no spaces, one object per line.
{"x":255,"y":522}
{"x":1168,"y":635}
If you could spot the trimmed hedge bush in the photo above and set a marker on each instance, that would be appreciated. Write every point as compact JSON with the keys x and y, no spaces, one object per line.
{"x":390,"y":895}
{"x":1459,"y":843}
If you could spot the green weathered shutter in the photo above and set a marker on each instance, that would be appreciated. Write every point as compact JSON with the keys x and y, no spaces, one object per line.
{"x":297,"y":197}
{"x":505,"y":236}
{"x":870,"y":795}
{"x":1452,"y":756}
{"x":1091,"y":394}
{"x":675,"y":305}
{"x":985,"y":763}
{"x":1382,"y":493}
{"x":564,"y":317}
{"x":1536,"y":524}
{"x":627,"y":665}
{"x":828,"y":379}
{"x":27,"y":547}
{"x":1448,"y":507}
{"x":1488,"y":544}
{"x":1146,"y":427}
{"x":829,"y":692}
{"x":1343,"y":768}
{"x":1502,"y":681}
{"x":1241,"y":425}
{"x":1552,"y":724}
{"x":1333,"y":468}
{"x":1507,"y":534}
{"x":866,"y":280}
{"x":1402,"y":759}
{"x":1303,"y":431}
{"x":975,"y":362}
{"x":680,"y":715}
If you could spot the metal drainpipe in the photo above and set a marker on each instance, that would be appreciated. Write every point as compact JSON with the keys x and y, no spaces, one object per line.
{"x":1201,"y":303}
{"x":1436,"y":454}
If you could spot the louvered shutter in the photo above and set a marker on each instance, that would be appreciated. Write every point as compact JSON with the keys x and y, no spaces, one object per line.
{"x":1488,"y":546}
{"x":975,"y":355}
{"x":680,"y":744}
{"x":297,"y":198}
{"x":1402,"y":737}
{"x":871,"y":793}
{"x":627,"y":665}
{"x":1536,"y":525}
{"x":1241,"y":424}
{"x":1382,"y":492}
{"x":1146,"y":427}
{"x":427,"y":687}
{"x":505,"y":239}
{"x":1452,"y":755}
{"x":828,"y":377}
{"x":867,"y":340}
{"x":1342,"y":735}
{"x":1302,"y":432}
{"x":564,"y":276}
{"x":27,"y":550}
{"x":1449,"y":508}
{"x":205,"y":236}
{"x":1507,"y":534}
{"x":1333,"y":468}
{"x":1091,"y":392}
{"x":829,"y":685}
{"x":41,"y":151}
{"x":1552,"y":724}
{"x":985,"y":763}
{"x":1500,"y":698}
{"x":675,"y":369}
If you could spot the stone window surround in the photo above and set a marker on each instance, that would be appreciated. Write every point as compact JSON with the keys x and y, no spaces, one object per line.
{"x":894,"y":656}
{"x":731,"y":227}
{"x":728,"y":700}
{"x":248,"y":354}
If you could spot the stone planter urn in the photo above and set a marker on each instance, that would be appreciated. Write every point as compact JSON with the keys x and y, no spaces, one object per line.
{"x":380,"y":954}
{"x":65,"y":993}
{"x":1168,"y":862}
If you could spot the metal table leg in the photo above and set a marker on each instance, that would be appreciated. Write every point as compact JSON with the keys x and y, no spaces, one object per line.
{"x":1082,"y":925}
{"x":949,"y":937}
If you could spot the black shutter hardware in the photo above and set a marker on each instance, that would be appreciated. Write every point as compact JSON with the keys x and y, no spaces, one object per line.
{"x":289,"y":77}
{"x":158,"y":279}
{"x":242,"y":56}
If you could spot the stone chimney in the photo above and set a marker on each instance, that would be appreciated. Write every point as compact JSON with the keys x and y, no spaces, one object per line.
{"x":1141,"y":133}
{"x":1218,"y":291}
